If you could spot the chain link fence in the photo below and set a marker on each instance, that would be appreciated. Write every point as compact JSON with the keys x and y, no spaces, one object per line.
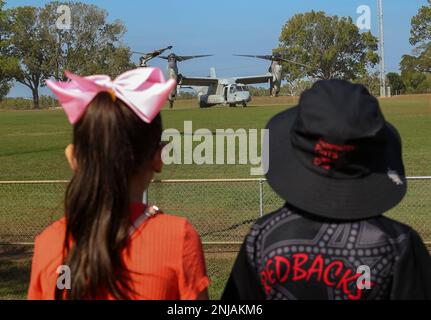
{"x":222,"y":210}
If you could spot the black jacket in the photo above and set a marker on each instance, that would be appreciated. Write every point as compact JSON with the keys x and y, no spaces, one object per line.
{"x":290,"y":254}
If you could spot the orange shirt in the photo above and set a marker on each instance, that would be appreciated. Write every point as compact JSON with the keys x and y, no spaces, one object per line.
{"x":166,"y":259}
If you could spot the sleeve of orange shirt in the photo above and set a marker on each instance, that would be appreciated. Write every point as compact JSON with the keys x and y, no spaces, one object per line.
{"x":193,"y":278}
{"x":35,"y":289}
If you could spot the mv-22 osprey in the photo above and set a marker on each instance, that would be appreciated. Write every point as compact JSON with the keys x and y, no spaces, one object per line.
{"x":212,"y":90}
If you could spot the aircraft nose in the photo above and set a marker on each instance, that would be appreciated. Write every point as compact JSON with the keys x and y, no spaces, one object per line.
{"x":242,"y":96}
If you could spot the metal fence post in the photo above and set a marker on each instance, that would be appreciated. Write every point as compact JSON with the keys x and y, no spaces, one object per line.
{"x":261,"y":182}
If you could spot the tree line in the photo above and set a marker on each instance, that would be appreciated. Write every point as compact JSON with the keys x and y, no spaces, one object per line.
{"x":326,"y":47}
{"x":33,"y":49}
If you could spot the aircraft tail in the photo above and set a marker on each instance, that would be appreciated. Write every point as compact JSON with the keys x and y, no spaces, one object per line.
{"x":213,"y":73}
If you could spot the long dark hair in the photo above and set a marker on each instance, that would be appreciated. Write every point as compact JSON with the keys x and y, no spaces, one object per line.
{"x":110,"y":145}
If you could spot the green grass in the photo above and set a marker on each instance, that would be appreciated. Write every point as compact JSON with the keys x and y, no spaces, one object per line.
{"x":32,"y":145}
{"x":32,"y":142}
{"x":15,"y":264}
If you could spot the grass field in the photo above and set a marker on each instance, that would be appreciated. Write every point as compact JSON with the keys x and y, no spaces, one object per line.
{"x":32,"y":144}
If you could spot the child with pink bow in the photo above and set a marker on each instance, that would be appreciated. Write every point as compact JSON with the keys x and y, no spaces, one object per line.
{"x":110,"y":245}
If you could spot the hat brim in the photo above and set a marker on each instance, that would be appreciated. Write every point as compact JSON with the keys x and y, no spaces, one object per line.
{"x":341,"y":199}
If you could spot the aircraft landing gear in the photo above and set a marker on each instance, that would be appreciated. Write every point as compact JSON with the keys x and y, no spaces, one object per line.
{"x":233,"y":105}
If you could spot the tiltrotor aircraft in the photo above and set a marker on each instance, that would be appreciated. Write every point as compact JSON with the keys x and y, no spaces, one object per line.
{"x":212,"y":90}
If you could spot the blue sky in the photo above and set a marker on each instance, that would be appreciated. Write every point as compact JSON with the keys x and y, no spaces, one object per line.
{"x":226,"y":27}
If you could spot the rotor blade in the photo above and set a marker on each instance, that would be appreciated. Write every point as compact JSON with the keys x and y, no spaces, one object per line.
{"x":267,"y":57}
{"x":184,"y":58}
{"x":293,"y":62}
{"x":270,"y":58}
{"x":137,"y":52}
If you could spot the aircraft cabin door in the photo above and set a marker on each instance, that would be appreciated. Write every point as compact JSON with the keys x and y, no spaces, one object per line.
{"x":231,"y":94}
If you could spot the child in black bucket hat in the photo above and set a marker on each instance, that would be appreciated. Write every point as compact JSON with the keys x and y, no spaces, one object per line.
{"x":338,"y":165}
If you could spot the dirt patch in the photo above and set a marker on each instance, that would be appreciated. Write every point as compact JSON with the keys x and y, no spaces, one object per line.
{"x":15,"y":253}
{"x":15,"y":267}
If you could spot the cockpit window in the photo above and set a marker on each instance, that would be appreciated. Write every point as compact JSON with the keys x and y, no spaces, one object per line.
{"x":232,"y":89}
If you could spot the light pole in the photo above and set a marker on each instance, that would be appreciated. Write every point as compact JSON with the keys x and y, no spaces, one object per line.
{"x":381,"y":49}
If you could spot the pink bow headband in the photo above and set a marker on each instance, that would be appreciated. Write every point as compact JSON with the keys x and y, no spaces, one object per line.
{"x":143,"y":90}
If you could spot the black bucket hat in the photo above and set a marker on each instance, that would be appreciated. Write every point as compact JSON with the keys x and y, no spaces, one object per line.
{"x":334,"y":155}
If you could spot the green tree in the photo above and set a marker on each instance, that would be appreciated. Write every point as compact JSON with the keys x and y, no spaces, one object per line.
{"x":412,"y":77}
{"x":371,"y":81}
{"x":90,"y":45}
{"x":420,"y":36}
{"x":8,"y":64}
{"x":259,"y":91}
{"x":186,"y":95}
{"x":27,"y":41}
{"x":330,"y":46}
{"x":396,"y":83}
{"x":295,"y":88}
{"x":420,"y":32}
